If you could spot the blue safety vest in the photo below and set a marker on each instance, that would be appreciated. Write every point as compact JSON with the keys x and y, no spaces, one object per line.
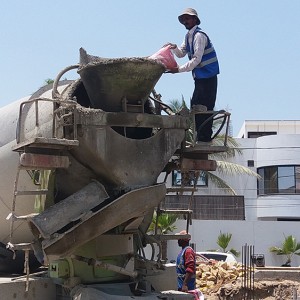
{"x":180,"y":269}
{"x":209,"y":65}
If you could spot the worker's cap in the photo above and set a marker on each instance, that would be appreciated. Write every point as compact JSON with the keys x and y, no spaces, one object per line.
{"x":191,"y":12}
{"x":183,"y":232}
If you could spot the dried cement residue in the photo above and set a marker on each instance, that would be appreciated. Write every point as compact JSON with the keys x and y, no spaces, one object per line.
{"x":87,"y":60}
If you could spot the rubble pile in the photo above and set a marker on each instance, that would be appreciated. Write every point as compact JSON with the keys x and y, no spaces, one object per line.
{"x":210,"y":277}
{"x":223,"y":281}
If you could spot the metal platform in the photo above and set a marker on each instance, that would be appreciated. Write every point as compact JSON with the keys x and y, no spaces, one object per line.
{"x":198,"y":150}
{"x":48,"y":143}
{"x":205,"y":148}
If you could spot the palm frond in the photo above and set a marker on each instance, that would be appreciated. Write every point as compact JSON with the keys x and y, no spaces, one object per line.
{"x":289,"y":248}
{"x":228,"y":168}
{"x":224,"y":240}
{"x":290,"y":245}
{"x":276,"y":250}
{"x":165,"y":223}
{"x":176,"y":106}
{"x":233,"y":148}
{"x":235,"y":252}
{"x":220,"y":183}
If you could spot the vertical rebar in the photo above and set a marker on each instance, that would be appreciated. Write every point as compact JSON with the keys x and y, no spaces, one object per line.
{"x":248,"y":272}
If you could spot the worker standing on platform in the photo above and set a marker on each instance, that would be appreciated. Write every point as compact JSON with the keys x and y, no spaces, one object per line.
{"x":204,"y":65}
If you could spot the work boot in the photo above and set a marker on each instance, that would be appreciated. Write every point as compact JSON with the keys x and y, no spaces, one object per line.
{"x":199,"y":108}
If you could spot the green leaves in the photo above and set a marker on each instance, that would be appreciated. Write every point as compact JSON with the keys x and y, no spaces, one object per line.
{"x":224,"y":240}
{"x":49,"y":81}
{"x":165,"y":223}
{"x":288,"y":248}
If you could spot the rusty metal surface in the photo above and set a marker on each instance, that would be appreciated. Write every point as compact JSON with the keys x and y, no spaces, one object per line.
{"x":198,"y":164}
{"x":41,"y":161}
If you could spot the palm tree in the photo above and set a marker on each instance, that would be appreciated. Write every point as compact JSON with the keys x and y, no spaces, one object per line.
{"x":223,"y":242}
{"x":176,"y":107}
{"x":48,"y":81}
{"x":165,"y":225}
{"x":223,"y":166}
{"x":289,"y":248}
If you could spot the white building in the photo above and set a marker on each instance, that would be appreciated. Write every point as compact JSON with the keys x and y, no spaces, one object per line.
{"x":271,"y":205}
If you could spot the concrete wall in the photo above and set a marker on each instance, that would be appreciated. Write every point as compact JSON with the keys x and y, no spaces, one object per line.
{"x":278,"y":150}
{"x":280,"y":126}
{"x":261,"y":234}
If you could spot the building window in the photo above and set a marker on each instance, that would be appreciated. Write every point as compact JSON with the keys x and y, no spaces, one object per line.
{"x":279,"y":180}
{"x":250,"y":163}
{"x":286,"y":180}
{"x":188,"y":178}
{"x":256,"y":134}
{"x":288,"y":219}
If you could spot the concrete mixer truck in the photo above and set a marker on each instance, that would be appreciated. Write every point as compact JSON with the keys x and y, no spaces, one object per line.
{"x":80,"y":162}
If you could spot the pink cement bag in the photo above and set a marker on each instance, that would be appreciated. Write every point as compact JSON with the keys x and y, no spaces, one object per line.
{"x":197,"y":294}
{"x":166,"y":57}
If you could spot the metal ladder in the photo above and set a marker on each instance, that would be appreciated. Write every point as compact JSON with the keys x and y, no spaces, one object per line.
{"x":26,"y":247}
{"x":30,"y":161}
{"x":12,"y":215}
{"x":186,"y":212}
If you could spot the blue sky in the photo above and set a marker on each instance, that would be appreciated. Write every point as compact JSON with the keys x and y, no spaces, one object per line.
{"x":257,"y":43}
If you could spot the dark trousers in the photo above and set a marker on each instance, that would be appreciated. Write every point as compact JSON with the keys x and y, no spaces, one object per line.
{"x":205,"y":93}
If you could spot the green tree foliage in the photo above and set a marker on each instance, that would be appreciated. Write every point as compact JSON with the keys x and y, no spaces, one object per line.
{"x":165,"y":225}
{"x":289,"y":248}
{"x":223,"y":242}
{"x":49,"y":81}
